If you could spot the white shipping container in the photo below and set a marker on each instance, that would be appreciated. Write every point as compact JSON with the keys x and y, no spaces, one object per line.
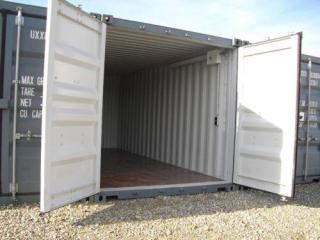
{"x":139,"y":108}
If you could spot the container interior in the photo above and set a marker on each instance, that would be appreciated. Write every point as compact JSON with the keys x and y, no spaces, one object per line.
{"x":167,"y":114}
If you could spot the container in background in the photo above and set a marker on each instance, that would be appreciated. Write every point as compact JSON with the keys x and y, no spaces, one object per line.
{"x":308,"y":158}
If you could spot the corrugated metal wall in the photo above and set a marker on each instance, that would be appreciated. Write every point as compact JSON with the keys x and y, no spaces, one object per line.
{"x":168,"y":113}
{"x":308,"y":162}
{"x":110,"y":112}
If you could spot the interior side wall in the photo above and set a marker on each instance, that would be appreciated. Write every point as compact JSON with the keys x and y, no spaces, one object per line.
{"x":168,"y":114}
{"x":110,"y":112}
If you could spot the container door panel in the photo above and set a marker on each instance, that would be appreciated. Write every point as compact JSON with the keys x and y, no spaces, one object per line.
{"x":268,"y":81}
{"x":72,"y":105}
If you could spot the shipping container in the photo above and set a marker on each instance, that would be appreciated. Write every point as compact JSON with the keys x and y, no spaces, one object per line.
{"x":131,"y":109}
{"x":28,"y":144}
{"x":308,"y":158}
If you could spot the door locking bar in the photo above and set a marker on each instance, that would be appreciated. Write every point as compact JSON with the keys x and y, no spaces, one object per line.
{"x":311,"y":139}
{"x":19,"y":22}
{"x":28,"y":135}
{"x":306,"y":163}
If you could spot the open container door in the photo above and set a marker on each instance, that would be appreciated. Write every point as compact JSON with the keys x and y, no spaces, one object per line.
{"x":72,"y":105}
{"x":268,"y":87}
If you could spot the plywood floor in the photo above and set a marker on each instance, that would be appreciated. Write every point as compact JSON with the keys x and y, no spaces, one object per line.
{"x":122,"y":169}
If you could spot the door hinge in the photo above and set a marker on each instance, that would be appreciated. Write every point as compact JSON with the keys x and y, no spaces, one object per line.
{"x":96,"y":15}
{"x":13,"y":187}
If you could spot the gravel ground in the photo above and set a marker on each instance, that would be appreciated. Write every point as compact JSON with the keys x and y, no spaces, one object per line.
{"x":245,"y":214}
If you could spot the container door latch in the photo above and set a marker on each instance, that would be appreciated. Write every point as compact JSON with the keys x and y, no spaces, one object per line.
{"x":216,"y":121}
{"x":28,"y":135}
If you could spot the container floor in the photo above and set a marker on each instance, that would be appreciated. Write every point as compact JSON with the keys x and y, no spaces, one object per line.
{"x":123,"y":169}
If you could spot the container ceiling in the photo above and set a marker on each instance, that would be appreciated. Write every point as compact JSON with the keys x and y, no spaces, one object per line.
{"x":131,"y":48}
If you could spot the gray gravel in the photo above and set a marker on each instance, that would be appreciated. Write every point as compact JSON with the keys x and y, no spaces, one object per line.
{"x":244,"y":214}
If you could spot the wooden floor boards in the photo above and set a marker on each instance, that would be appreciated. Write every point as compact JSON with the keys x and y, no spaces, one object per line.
{"x":122,"y":169}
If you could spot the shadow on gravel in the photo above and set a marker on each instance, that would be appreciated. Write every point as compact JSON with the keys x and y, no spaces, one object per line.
{"x":307,"y":195}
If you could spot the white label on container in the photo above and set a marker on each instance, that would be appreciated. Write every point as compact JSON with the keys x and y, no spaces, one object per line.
{"x":36,"y":114}
{"x":314,"y":104}
{"x":39,"y":81}
{"x":313,"y":111}
{"x":315,"y":75}
{"x":314,"y":82}
{"x":313,"y":125}
{"x":313,"y":117}
{"x":23,"y":113}
{"x":25,"y":102}
{"x":37,"y":35}
{"x":301,"y":116}
{"x":27,"y":80}
{"x":27,"y":91}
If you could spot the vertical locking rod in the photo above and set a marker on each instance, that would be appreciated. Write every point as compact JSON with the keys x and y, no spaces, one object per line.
{"x":308,"y":121}
{"x":19,"y":23}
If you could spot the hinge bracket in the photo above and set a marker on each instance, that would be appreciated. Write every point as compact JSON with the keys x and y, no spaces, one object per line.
{"x":19,"y":19}
{"x":13,"y":187}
